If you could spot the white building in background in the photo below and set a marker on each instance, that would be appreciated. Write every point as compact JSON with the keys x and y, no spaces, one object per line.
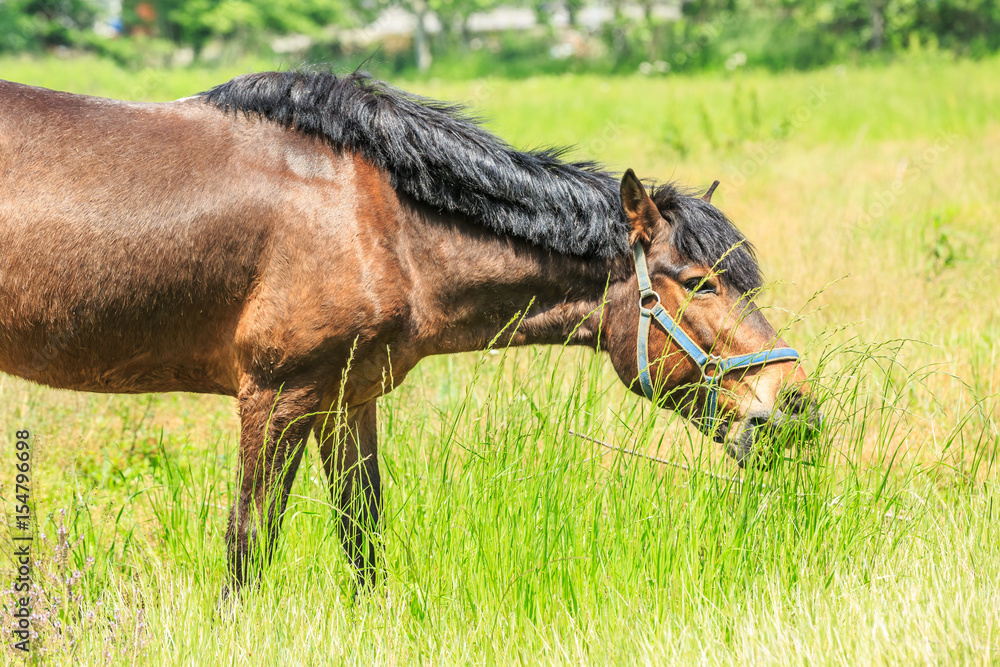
{"x":109,"y":21}
{"x":398,"y":22}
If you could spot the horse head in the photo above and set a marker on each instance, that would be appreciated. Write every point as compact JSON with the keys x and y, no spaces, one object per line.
{"x":685,"y":332}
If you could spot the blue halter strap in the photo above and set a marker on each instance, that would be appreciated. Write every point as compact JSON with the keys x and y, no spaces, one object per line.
{"x":713,"y":367}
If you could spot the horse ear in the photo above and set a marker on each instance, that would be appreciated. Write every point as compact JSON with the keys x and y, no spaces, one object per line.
{"x":708,"y":195}
{"x":640,"y":209}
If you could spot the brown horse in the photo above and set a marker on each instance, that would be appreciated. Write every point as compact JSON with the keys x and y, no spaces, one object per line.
{"x":262,"y":238}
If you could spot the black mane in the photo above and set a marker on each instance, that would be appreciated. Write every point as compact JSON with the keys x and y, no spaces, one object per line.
{"x":436,"y":154}
{"x":704,"y":235}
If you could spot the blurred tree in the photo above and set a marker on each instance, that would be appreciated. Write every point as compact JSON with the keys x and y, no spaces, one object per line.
{"x":195,"y":22}
{"x":454,"y":16}
{"x":965,"y":26}
{"x":30,"y":24}
{"x":573,"y":8}
{"x":768,"y":33}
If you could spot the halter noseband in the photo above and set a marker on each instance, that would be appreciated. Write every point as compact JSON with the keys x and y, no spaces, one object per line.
{"x":704,"y":361}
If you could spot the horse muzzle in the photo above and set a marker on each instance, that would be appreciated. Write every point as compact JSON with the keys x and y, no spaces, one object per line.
{"x":761,"y":436}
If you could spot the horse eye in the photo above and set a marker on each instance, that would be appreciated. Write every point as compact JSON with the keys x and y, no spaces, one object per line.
{"x":699,"y":285}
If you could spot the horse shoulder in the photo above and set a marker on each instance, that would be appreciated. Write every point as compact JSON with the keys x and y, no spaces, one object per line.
{"x":332,"y":287}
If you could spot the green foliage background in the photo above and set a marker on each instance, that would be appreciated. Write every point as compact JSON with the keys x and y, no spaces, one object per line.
{"x":773,"y":34}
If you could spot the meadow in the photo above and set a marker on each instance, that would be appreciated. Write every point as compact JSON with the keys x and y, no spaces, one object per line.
{"x":872,"y":197}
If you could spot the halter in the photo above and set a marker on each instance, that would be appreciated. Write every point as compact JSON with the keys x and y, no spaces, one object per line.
{"x":705,"y":362}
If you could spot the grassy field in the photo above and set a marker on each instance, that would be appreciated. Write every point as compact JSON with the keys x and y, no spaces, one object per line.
{"x":872,"y":197}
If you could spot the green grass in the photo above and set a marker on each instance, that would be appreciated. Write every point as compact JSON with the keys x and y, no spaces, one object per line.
{"x":509,"y":539}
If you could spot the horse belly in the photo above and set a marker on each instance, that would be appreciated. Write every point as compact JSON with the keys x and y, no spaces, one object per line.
{"x":97,"y":296}
{"x":86,"y":346}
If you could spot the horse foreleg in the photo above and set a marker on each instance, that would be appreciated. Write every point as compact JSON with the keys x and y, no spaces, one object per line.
{"x":350,"y":459}
{"x":274,"y":427}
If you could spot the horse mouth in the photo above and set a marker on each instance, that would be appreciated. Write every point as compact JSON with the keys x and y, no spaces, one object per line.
{"x":760,"y":438}
{"x":749,"y":442}
{"x":721,"y":432}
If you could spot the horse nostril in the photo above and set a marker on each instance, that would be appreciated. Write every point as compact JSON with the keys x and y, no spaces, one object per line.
{"x":742,"y":447}
{"x":793,"y":401}
{"x":801,"y":408}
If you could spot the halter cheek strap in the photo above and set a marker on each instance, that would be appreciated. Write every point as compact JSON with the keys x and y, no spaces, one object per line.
{"x":718,"y":366}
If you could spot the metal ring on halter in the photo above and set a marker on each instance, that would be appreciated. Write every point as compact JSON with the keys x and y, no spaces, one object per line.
{"x":643,"y":297}
{"x":711,"y":361}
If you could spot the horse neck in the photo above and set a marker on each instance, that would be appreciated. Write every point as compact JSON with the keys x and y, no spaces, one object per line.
{"x":474,"y":288}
